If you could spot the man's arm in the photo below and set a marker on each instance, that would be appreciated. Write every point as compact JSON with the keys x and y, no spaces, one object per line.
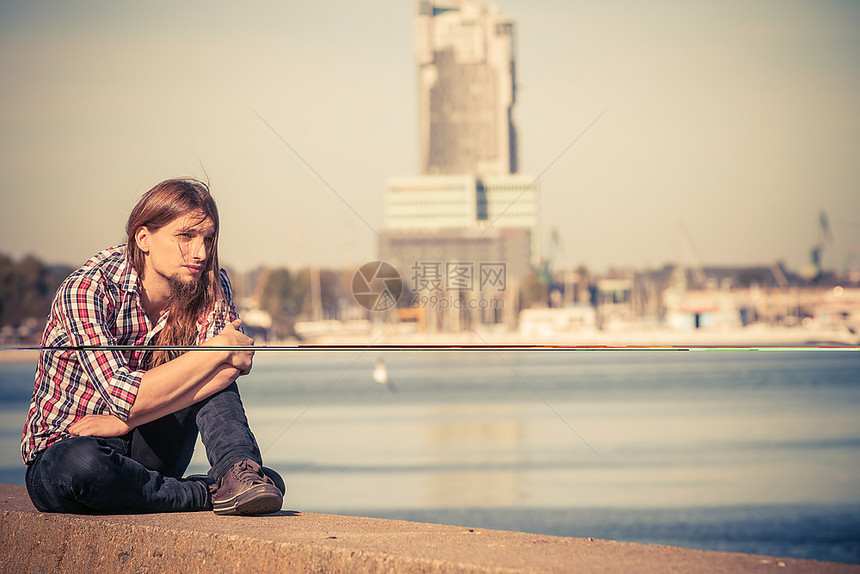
{"x":110,"y":425}
{"x":192,"y":372}
{"x":179,"y":383}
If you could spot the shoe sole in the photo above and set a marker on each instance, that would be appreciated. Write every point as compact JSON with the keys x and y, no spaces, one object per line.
{"x":261,"y":499}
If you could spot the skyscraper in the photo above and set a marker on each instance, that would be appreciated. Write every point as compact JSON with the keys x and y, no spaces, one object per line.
{"x":470,"y":186}
{"x":466,"y":88}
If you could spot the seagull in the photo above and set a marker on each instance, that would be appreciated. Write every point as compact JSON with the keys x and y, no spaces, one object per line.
{"x":380,"y":374}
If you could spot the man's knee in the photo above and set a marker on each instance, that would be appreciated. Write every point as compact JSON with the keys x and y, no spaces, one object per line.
{"x":79,"y":456}
{"x":63,"y":475}
{"x":226,"y":404}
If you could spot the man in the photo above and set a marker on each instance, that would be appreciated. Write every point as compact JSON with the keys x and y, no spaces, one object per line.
{"x":113,"y":431}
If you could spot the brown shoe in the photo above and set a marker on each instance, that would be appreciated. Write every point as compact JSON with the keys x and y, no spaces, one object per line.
{"x":245,"y":489}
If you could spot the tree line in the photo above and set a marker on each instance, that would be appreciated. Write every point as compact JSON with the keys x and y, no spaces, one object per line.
{"x":27,"y":287}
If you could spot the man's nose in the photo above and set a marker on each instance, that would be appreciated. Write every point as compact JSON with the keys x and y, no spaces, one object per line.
{"x":198,"y":250}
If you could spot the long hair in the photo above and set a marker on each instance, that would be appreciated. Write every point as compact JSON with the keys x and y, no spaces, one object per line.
{"x":159,"y":206}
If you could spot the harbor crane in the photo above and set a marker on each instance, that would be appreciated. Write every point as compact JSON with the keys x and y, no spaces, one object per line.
{"x":814,"y":270}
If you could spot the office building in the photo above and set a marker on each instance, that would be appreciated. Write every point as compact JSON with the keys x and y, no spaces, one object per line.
{"x":466,"y":88}
{"x":469,"y":206}
{"x":444,"y":202}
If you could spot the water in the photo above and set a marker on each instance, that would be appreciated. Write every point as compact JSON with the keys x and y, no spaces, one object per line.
{"x":740,"y":451}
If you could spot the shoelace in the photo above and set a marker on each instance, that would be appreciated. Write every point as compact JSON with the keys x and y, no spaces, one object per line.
{"x":247,"y":474}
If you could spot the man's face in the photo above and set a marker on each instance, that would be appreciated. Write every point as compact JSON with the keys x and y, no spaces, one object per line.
{"x":178,"y":251}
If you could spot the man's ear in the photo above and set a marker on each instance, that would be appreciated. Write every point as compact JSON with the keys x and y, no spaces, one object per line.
{"x":141,"y":237}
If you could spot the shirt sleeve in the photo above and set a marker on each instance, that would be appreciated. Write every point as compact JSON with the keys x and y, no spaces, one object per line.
{"x":86,"y":312}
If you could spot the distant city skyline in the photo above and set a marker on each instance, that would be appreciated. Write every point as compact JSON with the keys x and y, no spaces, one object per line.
{"x":736,"y":121}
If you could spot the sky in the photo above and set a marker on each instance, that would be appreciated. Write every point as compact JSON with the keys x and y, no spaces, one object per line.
{"x":722,"y":128}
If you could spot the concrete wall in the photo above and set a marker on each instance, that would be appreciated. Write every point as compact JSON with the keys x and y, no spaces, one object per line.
{"x":292,"y":541}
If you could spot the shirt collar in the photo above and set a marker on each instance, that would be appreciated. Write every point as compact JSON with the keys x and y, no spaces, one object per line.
{"x":125,"y":274}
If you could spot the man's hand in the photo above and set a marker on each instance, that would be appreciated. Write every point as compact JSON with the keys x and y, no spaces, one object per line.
{"x":231,"y":336}
{"x":99,"y":425}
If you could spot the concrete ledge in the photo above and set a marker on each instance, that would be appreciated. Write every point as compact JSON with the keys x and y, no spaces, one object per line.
{"x":290,"y":541}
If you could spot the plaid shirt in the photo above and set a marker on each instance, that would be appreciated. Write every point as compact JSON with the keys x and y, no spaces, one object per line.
{"x":99,"y":304}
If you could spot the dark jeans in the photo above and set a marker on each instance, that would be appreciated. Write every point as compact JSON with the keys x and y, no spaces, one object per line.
{"x":141,"y":471}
